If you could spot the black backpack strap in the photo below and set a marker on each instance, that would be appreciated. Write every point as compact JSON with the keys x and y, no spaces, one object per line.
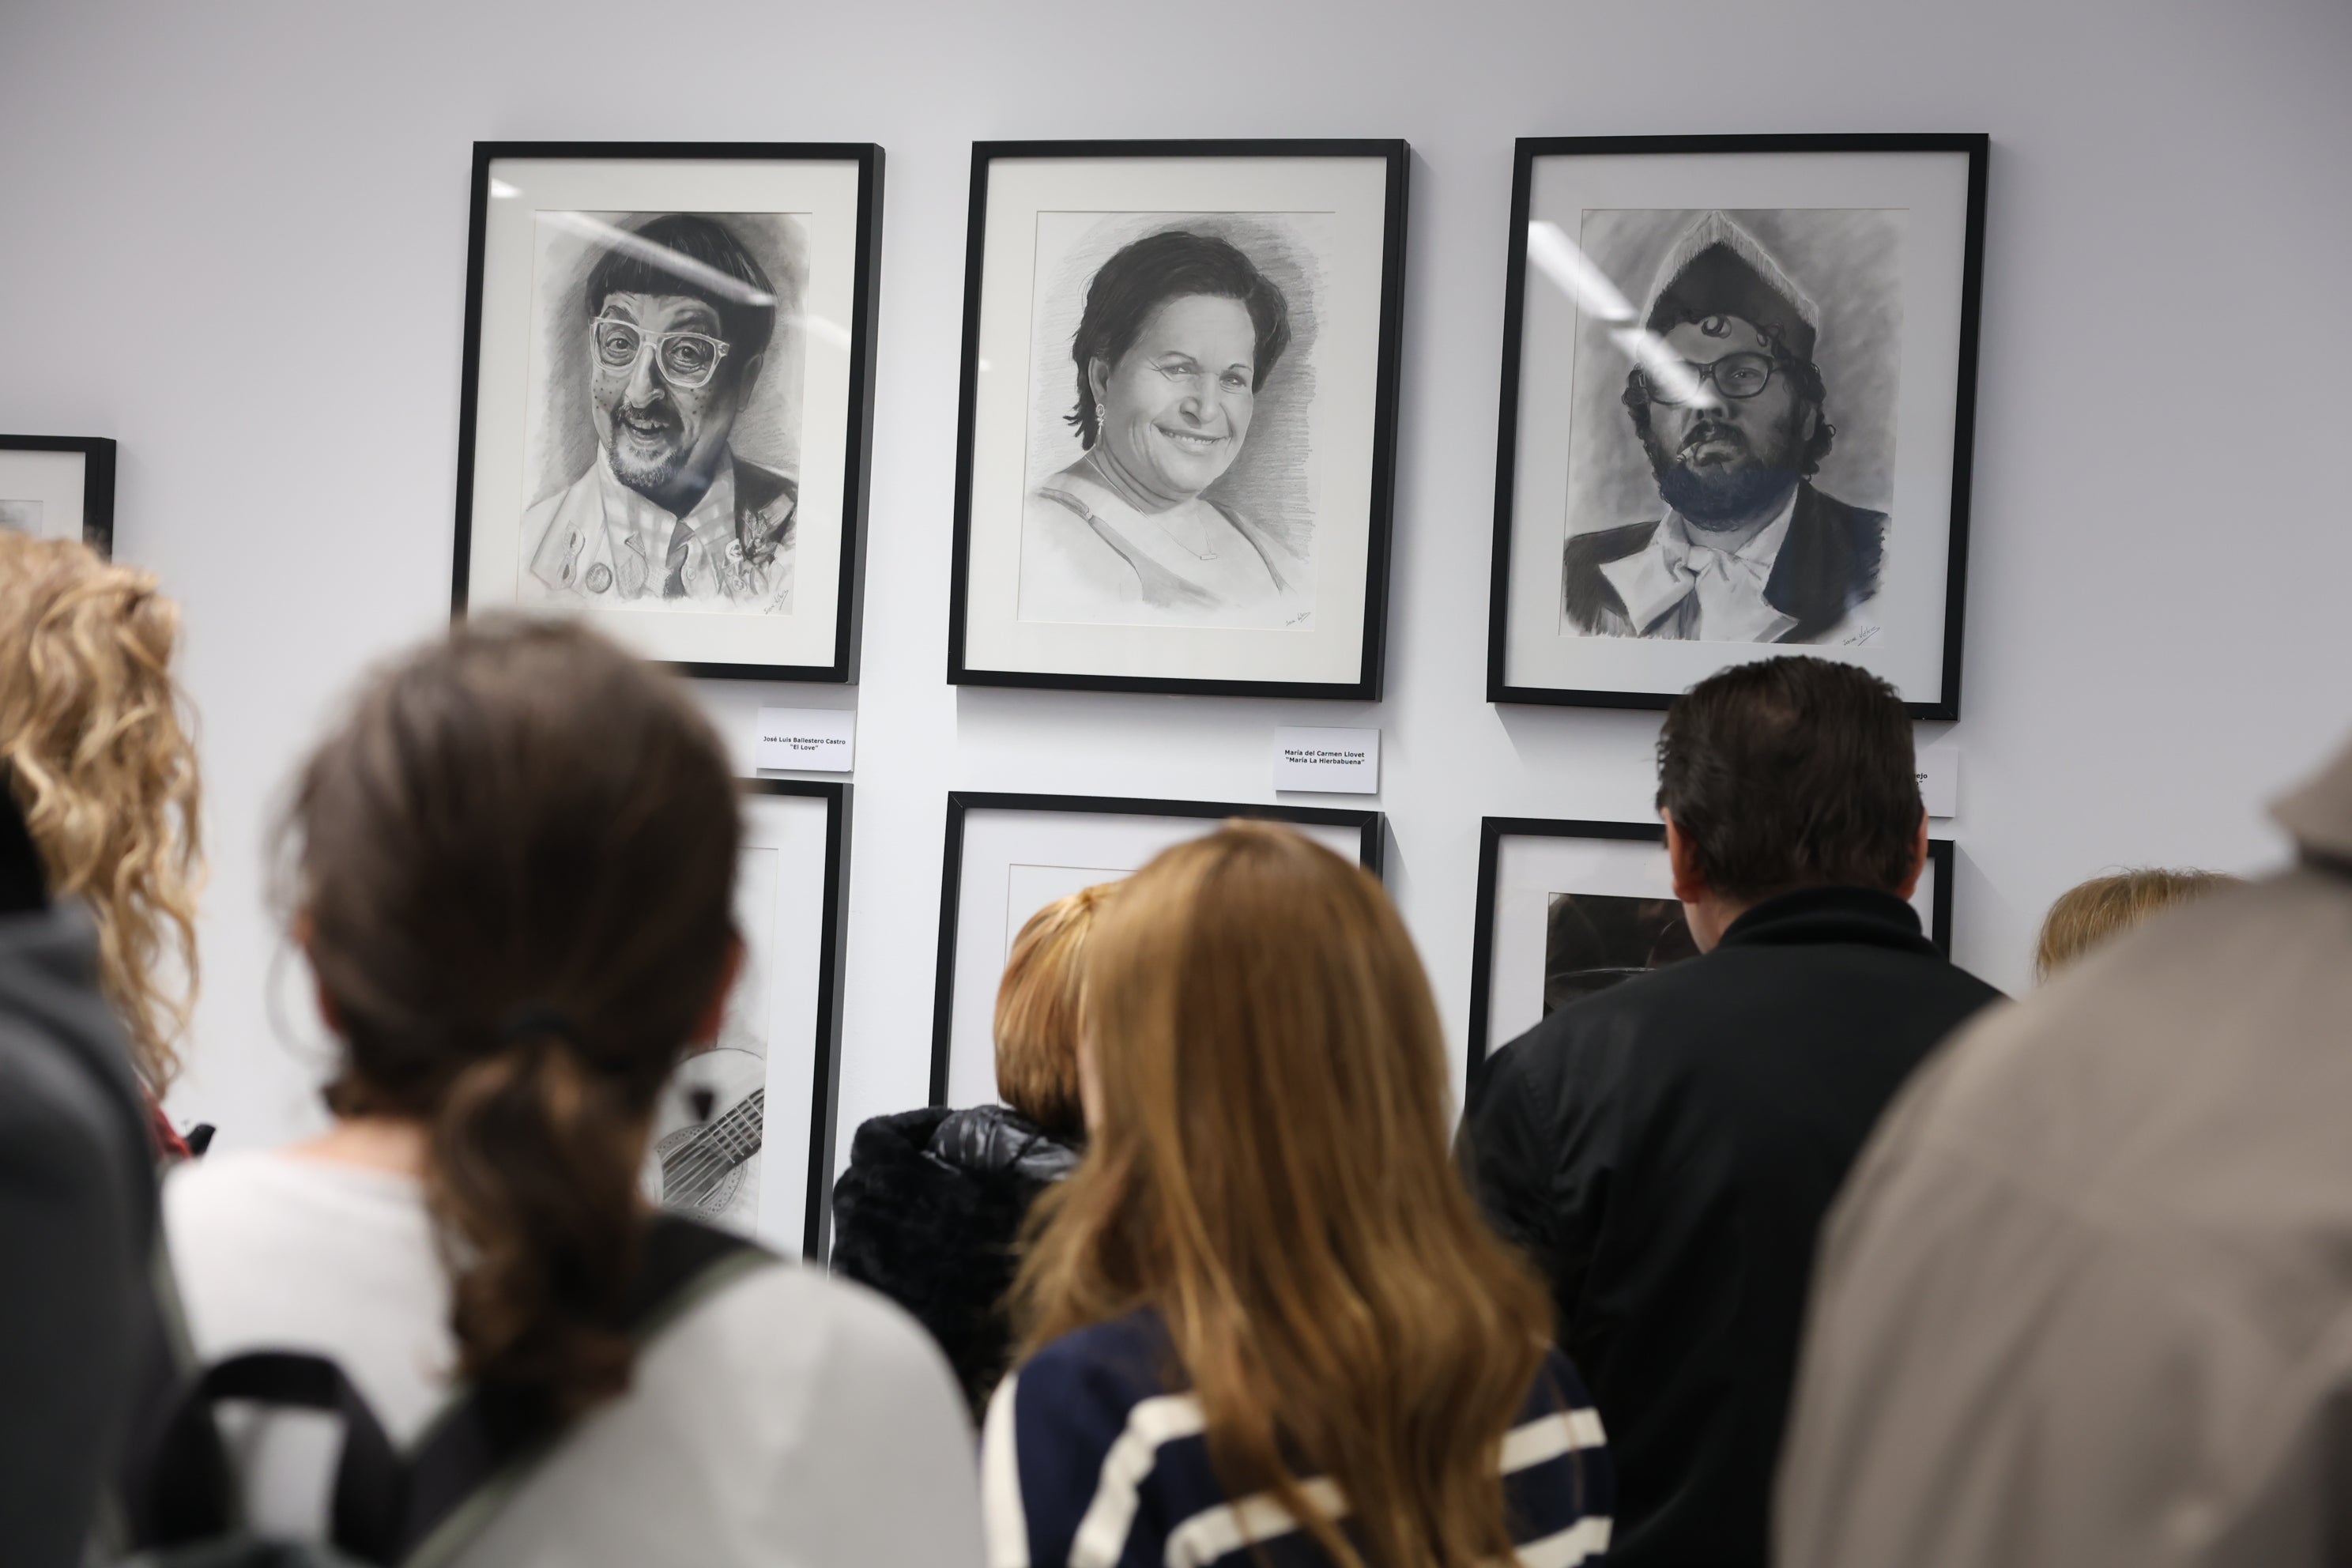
{"x":189,"y":1492}
{"x":484,"y":1445}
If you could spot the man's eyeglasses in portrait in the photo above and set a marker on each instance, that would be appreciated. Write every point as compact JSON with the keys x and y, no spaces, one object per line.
{"x":1736,"y":376}
{"x":687,"y":359}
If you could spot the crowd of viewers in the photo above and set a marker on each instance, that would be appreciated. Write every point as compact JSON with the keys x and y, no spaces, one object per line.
{"x":1809,"y":1249}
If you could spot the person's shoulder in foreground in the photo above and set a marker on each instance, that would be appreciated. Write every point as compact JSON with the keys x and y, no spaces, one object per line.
{"x":2086,"y":1299}
{"x":1092,"y":1454}
{"x":791,"y":1419}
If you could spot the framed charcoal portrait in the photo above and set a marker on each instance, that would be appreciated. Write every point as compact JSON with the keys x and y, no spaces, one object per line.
{"x":1737,"y":404}
{"x":667,"y":396}
{"x":59,"y":487}
{"x":1177,"y":439}
{"x":1009,"y":855}
{"x":1567,"y":909}
{"x":743,"y":1132}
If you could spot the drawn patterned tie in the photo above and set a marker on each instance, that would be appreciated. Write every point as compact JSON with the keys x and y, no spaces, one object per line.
{"x":674,"y":585}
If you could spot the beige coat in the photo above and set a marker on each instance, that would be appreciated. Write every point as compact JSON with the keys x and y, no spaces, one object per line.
{"x":2087,"y":1297}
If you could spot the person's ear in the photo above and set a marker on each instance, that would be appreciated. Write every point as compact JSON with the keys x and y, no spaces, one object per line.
{"x":1097,"y":377}
{"x":713,"y":1016}
{"x":299,"y":934}
{"x":749,"y":376}
{"x":1919,"y":861}
{"x":1690,"y":881}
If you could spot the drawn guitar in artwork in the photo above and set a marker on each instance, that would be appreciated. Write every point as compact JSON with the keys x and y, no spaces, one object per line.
{"x":705,"y":1159}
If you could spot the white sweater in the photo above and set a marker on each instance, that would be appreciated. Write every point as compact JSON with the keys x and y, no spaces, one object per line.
{"x":787,"y":1419}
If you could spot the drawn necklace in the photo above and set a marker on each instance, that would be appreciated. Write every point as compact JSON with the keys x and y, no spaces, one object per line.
{"x":1090,"y":460}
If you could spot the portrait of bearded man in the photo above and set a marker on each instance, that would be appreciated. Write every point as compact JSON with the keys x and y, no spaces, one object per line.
{"x":1748,"y":549}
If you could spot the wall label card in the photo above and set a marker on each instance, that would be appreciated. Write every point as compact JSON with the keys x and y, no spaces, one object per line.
{"x":1335,"y":762}
{"x":1939,"y":780}
{"x":808,"y":739}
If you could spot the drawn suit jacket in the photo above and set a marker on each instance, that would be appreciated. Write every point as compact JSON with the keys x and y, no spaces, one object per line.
{"x":572,"y":539}
{"x":1827,"y":565}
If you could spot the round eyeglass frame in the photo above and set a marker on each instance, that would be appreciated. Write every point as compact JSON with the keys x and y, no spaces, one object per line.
{"x":1713,"y":370}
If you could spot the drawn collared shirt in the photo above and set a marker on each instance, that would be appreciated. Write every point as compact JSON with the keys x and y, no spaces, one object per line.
{"x":1682,"y":587}
{"x":608,"y":544}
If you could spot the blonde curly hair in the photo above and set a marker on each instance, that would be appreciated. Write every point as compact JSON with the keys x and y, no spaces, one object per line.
{"x":104,"y":770}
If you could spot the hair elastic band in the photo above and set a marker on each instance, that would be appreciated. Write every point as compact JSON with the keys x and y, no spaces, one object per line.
{"x":536,"y":1021}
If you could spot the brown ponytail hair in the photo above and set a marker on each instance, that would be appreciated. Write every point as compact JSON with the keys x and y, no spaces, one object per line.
{"x":513,"y":872}
{"x":1268,"y":1171}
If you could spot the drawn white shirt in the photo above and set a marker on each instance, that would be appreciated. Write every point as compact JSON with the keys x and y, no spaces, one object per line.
{"x":618,"y":547}
{"x":1682,"y":587}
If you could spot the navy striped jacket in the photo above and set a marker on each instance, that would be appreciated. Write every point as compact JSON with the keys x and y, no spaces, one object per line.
{"x":1089,"y":1461}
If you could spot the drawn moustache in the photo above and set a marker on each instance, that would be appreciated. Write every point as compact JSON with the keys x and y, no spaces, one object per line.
{"x":1727,"y":434}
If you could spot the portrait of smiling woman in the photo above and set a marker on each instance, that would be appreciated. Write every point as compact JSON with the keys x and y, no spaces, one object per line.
{"x":1179,"y":333}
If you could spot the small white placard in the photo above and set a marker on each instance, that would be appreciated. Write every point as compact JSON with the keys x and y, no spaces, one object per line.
{"x":1335,"y":761}
{"x":1939,"y":780}
{"x":808,"y":739}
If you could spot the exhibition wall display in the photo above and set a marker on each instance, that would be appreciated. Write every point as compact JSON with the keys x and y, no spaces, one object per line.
{"x":1567,"y":909}
{"x":743,"y":1133}
{"x":1737,"y":412}
{"x":1177,"y":441}
{"x":59,"y":487}
{"x":667,"y":396}
{"x":1009,"y":855}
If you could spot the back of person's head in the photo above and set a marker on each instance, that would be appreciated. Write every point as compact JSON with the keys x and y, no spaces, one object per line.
{"x":513,"y":873}
{"x":1792,"y":772}
{"x":1037,"y":1014}
{"x":1269,"y":1113}
{"x":2088,"y":915}
{"x":101,"y":761}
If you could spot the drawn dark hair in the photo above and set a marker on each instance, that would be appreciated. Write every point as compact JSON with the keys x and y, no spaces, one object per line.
{"x":705,"y":243}
{"x":1150,"y":272}
{"x":1792,"y":772}
{"x":512,"y":867}
{"x":1802,"y":372}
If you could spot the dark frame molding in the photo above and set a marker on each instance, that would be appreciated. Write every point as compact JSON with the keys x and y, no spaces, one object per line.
{"x":832,"y":949}
{"x":97,"y":480}
{"x":865,"y":290}
{"x":1493,"y":830}
{"x":1978,"y":148}
{"x":1368,"y":824}
{"x":1366,"y":686}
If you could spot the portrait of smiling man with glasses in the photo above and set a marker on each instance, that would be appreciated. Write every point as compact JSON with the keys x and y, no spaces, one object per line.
{"x":677,"y":322}
{"x":1749,"y":550}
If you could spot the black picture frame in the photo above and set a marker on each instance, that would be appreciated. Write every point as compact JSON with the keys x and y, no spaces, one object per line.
{"x":1366,"y":686}
{"x":832,"y":955}
{"x":1977,"y":146}
{"x":97,"y":480}
{"x":1370,"y":825}
{"x":1493,"y":830}
{"x":842,"y":669}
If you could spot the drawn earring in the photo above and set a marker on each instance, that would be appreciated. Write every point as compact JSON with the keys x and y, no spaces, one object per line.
{"x":1099,"y":414}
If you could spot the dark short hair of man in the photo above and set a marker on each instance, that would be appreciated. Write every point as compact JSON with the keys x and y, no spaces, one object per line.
{"x":1791,"y":773}
{"x":707,"y":245}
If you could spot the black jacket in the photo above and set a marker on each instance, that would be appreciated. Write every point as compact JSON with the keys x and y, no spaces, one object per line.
{"x":77,"y":1229}
{"x":928,"y":1213}
{"x":1828,"y":564}
{"x":1667,"y":1151}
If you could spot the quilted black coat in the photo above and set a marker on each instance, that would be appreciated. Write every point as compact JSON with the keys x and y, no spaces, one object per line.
{"x":929,"y":1214}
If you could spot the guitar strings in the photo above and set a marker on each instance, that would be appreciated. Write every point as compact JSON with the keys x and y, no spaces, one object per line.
{"x":722,"y":1147}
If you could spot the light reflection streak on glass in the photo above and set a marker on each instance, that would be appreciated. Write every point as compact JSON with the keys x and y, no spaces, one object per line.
{"x":1559,"y":259}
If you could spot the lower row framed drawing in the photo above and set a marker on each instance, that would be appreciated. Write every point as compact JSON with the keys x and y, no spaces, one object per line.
{"x":1009,"y":855}
{"x":1569,"y":908}
{"x":743,"y":1133}
{"x":59,"y":487}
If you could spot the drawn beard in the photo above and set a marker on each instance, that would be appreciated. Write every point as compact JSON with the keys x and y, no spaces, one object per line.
{"x":1723,"y":493}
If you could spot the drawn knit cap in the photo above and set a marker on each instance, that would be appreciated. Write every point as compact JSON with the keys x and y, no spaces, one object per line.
{"x":1717,"y":269}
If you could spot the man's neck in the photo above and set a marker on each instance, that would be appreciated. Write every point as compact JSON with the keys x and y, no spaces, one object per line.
{"x":1734,"y":534}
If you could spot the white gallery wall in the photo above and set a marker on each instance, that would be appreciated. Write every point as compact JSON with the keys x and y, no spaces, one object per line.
{"x":233,"y":238}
